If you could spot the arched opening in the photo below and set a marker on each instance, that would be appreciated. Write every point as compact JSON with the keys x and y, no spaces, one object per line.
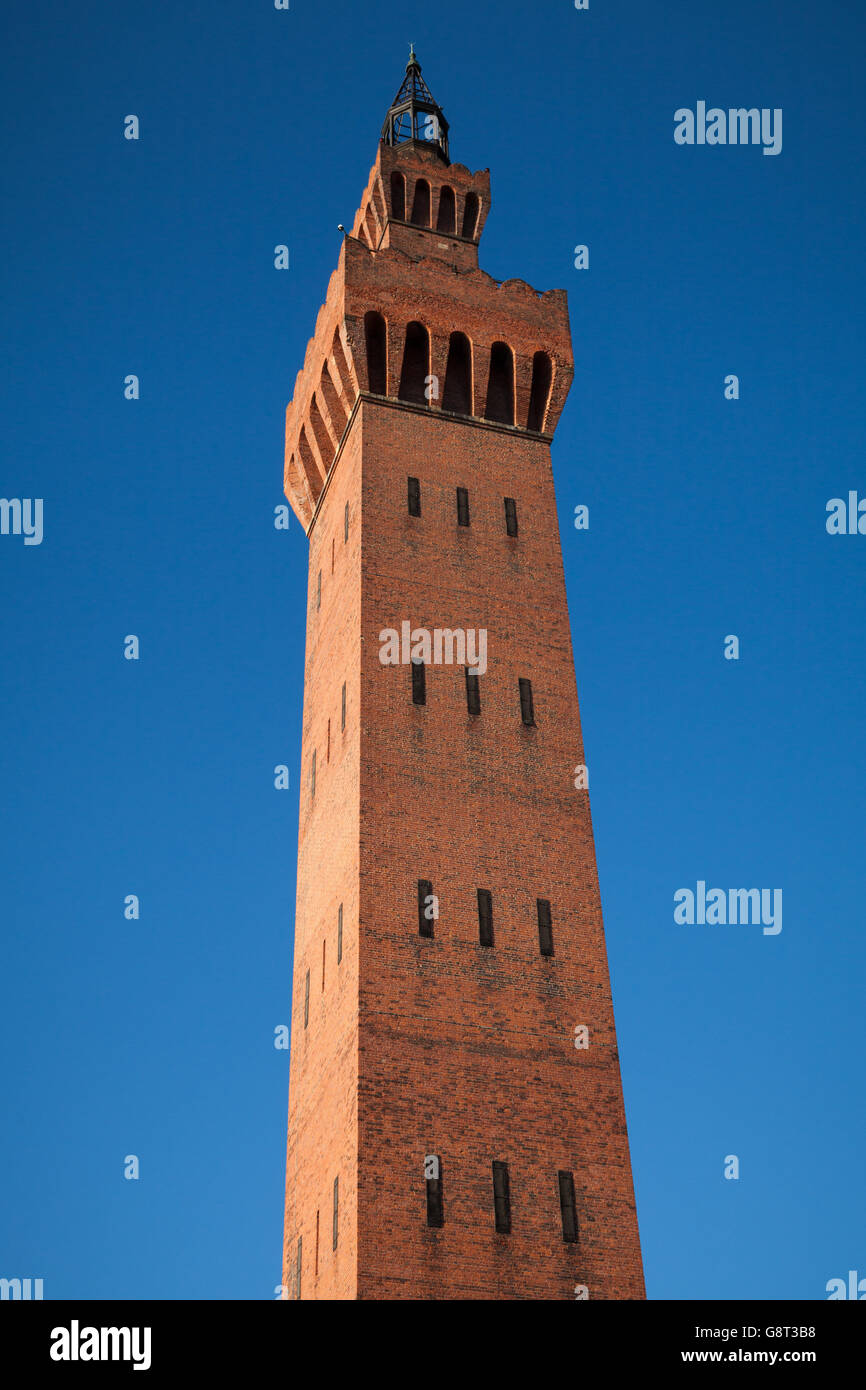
{"x":470,"y":215}
{"x":308,"y":463}
{"x":500,"y":385}
{"x":325,"y":444}
{"x":542,"y":375}
{"x":398,"y":197}
{"x":421,"y":204}
{"x":416,"y":364}
{"x":341,"y":367}
{"x":302,"y":494}
{"x":457,"y":396}
{"x":336,"y":407}
{"x":375,"y":339}
{"x":446,"y":220}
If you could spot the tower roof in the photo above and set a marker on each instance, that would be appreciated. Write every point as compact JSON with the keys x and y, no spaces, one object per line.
{"x":414,"y":114}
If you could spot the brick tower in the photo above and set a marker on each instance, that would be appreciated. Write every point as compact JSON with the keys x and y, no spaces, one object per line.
{"x":449,"y":1135}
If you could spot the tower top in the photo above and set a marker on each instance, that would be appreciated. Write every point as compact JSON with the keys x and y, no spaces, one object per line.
{"x":414,"y":115}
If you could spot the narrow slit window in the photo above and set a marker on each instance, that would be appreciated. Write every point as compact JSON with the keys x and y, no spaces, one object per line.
{"x":336,"y":1211}
{"x":313,"y":775}
{"x":319,"y":591}
{"x":339,"y":933}
{"x":457,"y":396}
{"x":470,"y":215}
{"x":473,"y":693}
{"x":421,"y":204}
{"x":316,"y":1268}
{"x":346,"y":523}
{"x":462,"y":507}
{"x":416,"y":365}
{"x":539,"y":395}
{"x":323,"y":965}
{"x":501,"y":1199}
{"x":433,"y":1180}
{"x":500,"y":385}
{"x":376,"y":342}
{"x":527,"y":708}
{"x":568,"y":1207}
{"x":298,"y":1268}
{"x":425,"y":907}
{"x":545,"y":927}
{"x":333,"y":545}
{"x":398,"y":197}
{"x":446,"y":220}
{"x":414,"y":497}
{"x":485,"y":920}
{"x":419,"y":683}
{"x":343,"y":708}
{"x":511,"y":516}
{"x":307,"y":999}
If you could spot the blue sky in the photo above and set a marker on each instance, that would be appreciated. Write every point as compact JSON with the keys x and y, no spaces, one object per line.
{"x":707,"y":517}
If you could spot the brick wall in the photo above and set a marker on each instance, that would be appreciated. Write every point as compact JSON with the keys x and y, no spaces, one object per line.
{"x":466,"y":1051}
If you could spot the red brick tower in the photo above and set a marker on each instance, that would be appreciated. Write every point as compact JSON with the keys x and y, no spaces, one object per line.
{"x":449,"y":1137}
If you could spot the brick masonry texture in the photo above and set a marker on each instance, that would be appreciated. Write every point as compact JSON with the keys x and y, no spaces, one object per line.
{"x":441,"y":1046}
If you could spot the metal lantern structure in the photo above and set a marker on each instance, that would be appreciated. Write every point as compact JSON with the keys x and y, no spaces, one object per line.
{"x":414,"y":115}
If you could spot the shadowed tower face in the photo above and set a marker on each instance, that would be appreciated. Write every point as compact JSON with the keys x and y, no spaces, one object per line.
{"x":456,"y":1122}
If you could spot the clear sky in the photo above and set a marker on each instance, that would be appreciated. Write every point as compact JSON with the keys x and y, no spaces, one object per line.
{"x":707,"y":518}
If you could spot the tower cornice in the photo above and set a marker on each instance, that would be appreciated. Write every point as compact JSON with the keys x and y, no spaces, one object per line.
{"x":394,"y":285}
{"x":441,"y":416}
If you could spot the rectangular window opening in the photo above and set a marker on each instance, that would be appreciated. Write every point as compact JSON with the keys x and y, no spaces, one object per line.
{"x":336,"y":1211}
{"x":435,"y":1207}
{"x":501,"y":1199}
{"x":527,"y":709}
{"x":511,"y":516}
{"x":545,"y":927}
{"x":485,"y":917}
{"x":307,"y":999}
{"x":473,"y":693}
{"x":419,"y":683}
{"x":346,"y":524}
{"x":414,"y":497}
{"x":343,"y":709}
{"x":425,"y":922}
{"x":313,"y":775}
{"x":462,"y":507}
{"x":568,"y":1207}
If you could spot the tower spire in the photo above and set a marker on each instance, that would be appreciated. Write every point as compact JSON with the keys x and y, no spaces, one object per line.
{"x":414,"y":114}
